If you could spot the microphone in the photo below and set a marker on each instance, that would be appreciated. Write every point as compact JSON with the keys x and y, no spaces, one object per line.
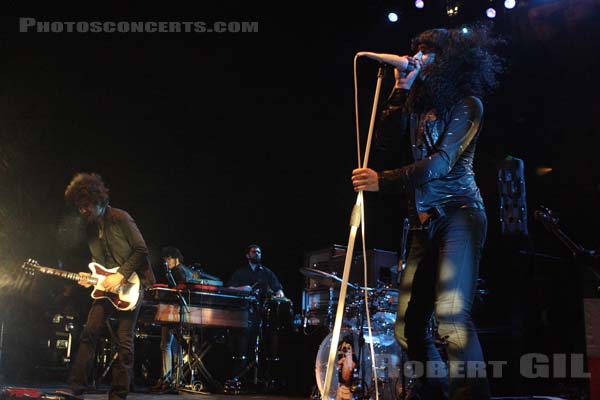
{"x":169,"y":275}
{"x":399,"y":62}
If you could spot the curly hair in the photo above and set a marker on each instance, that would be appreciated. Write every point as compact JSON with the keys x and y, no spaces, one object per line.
{"x":86,"y":188}
{"x":173,"y":252}
{"x":464,"y":65}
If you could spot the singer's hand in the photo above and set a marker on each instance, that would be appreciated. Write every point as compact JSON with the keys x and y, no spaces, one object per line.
{"x":405,"y":79}
{"x":365,"y":179}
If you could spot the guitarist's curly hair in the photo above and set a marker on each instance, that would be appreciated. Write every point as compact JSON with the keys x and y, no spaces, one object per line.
{"x":86,"y":188}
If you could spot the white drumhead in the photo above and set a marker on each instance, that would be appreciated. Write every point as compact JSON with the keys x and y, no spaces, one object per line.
{"x":387,"y":361}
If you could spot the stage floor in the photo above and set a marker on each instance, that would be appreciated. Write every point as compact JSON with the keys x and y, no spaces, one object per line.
{"x":102,"y":394}
{"x":48,"y":390}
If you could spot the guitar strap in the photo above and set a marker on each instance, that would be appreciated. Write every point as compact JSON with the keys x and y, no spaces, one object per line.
{"x":105,"y":246}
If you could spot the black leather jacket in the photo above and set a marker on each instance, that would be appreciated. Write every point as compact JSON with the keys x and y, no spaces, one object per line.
{"x":441,"y":174}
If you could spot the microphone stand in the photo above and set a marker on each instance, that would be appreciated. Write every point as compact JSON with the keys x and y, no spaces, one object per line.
{"x":183,"y":310}
{"x":355,"y":220}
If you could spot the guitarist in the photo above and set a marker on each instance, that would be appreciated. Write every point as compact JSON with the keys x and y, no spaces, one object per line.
{"x":114,"y":240}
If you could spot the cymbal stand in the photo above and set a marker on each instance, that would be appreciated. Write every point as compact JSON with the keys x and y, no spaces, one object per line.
{"x":330,"y":305}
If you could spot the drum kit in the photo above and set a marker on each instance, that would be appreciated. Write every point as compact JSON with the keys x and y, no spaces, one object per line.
{"x":319,"y":307}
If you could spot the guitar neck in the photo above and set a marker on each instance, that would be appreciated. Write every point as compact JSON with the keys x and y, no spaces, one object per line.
{"x":65,"y":274}
{"x":567,"y":241}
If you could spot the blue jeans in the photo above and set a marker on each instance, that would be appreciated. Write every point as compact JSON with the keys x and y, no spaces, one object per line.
{"x":440,"y":277}
{"x":169,"y":347}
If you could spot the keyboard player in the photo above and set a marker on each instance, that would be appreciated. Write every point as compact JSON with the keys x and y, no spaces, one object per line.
{"x":176,"y":273}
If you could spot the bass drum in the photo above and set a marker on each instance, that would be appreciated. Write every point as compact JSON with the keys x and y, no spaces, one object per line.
{"x":387,"y":364}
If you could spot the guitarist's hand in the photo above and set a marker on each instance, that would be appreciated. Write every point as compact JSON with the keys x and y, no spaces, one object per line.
{"x":84,"y":281}
{"x":112,"y":281}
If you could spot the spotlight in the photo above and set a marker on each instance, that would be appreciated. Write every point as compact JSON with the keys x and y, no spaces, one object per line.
{"x":510,"y":4}
{"x":465,"y":30}
{"x":543,"y":170}
{"x":452,"y":11}
{"x":419,"y":3}
{"x":393,"y":17}
{"x":490,"y":12}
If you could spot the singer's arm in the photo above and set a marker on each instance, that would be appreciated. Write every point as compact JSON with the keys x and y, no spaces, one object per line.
{"x":465,"y":121}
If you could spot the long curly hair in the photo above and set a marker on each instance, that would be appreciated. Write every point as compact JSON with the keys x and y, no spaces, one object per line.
{"x":464,"y":65}
{"x":86,"y":188}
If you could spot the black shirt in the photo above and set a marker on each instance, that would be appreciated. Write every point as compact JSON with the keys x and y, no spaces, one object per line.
{"x":262,"y":277}
{"x":182,"y":273}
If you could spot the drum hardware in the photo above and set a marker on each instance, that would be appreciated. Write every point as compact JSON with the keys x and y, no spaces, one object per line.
{"x":274,"y":317}
{"x":382,"y":302}
{"x":388,"y":357}
{"x":319,"y":303}
{"x":324,"y":278}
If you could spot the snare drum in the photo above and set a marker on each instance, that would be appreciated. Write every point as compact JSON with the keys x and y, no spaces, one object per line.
{"x":279,"y":315}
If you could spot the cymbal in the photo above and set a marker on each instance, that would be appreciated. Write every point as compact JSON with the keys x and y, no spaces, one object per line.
{"x":324,"y":277}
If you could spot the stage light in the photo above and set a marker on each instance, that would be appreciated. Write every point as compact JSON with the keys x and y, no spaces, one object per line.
{"x":393,"y":17}
{"x":452,"y":11}
{"x":490,"y":12}
{"x":543,"y":170}
{"x":510,"y":4}
{"x":465,"y":30}
{"x":419,"y":3}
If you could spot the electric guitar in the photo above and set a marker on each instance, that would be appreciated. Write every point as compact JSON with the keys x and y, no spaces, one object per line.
{"x":124,"y":297}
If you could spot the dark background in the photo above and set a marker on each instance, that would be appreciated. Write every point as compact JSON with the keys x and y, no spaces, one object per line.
{"x":213,"y":141}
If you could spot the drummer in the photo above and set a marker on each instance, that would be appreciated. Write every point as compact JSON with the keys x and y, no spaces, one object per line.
{"x":252,"y":277}
{"x":255,"y":277}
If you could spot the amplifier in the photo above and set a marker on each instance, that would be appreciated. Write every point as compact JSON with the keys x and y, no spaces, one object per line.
{"x":382,"y":265}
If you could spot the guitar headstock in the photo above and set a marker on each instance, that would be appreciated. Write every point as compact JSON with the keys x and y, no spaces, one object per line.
{"x":30,"y":266}
{"x":546,"y":217}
